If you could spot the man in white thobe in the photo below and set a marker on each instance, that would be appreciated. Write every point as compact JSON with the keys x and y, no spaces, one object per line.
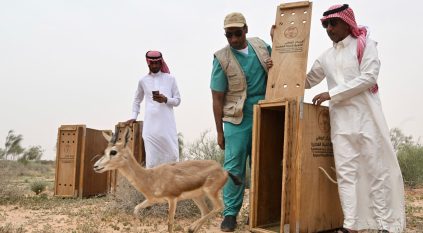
{"x":369,"y":178}
{"x":161,"y":94}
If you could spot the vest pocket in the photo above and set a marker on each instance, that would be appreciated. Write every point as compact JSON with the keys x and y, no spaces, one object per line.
{"x":231,"y":107}
{"x":234,"y":82}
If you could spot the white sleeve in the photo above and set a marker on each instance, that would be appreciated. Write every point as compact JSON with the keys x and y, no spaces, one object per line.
{"x":175,"y":99}
{"x":138,"y":98}
{"x":369,"y":71}
{"x":315,"y":75}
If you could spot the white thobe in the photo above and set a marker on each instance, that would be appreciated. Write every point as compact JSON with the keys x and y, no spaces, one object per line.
{"x":159,"y":128}
{"x":370,"y":183}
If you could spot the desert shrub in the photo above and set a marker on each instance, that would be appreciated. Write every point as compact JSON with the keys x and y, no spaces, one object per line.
{"x":9,"y":228}
{"x":126,"y":197}
{"x":410,"y":158}
{"x":204,"y":148}
{"x":89,"y":227}
{"x":11,"y":168}
{"x":42,"y":168}
{"x":9,"y":191}
{"x":23,"y":161}
{"x":38,"y":186}
{"x":16,"y":179}
{"x":46,"y":162}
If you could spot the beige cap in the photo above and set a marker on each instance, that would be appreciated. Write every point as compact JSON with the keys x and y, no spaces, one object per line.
{"x":234,"y":19}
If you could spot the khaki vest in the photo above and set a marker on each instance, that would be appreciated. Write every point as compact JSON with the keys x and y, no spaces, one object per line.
{"x":237,"y":83}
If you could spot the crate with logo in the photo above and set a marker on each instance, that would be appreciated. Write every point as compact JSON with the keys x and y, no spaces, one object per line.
{"x":293,"y":181}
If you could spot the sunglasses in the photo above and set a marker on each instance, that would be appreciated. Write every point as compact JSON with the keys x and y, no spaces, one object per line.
{"x":155,"y":62}
{"x":237,"y":33}
{"x":332,"y":22}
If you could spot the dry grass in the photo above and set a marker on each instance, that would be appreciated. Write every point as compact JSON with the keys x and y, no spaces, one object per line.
{"x":414,"y":209}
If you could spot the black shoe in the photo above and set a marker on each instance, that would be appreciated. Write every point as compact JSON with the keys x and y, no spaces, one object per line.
{"x":228,"y":224}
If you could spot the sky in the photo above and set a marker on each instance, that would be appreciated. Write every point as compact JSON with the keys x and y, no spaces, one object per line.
{"x":78,"y":62}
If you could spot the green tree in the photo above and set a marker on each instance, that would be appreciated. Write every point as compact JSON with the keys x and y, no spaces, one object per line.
{"x":205,"y":147}
{"x":410,"y":158}
{"x":12,"y":146}
{"x":398,"y":139}
{"x":33,"y":153}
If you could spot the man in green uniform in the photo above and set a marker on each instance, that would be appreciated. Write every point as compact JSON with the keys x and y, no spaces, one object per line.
{"x":238,"y":81}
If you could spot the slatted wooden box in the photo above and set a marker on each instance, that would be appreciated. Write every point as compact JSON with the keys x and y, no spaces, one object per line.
{"x":290,"y":191}
{"x":76,"y":147}
{"x":136,"y":144}
{"x":292,"y":151}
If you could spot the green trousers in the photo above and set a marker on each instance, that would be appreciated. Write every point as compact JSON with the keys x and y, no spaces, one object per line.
{"x":237,"y":151}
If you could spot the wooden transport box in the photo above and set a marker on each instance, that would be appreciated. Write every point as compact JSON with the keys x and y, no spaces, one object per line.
{"x":292,"y":157}
{"x":76,"y":148}
{"x":137,"y":146}
{"x":290,"y":191}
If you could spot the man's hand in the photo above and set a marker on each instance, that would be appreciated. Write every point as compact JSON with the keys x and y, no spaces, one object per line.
{"x":130,"y":121}
{"x":160,"y":98}
{"x":221,"y":140}
{"x":320,"y":98}
{"x":269,"y":63}
{"x":272,"y":31}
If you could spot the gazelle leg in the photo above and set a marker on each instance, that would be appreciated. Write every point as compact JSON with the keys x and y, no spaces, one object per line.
{"x":143,"y":204}
{"x":202,"y":205}
{"x":217,"y":207}
{"x":171,"y":217}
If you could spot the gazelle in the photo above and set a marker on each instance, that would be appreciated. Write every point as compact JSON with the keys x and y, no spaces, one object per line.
{"x":195,"y":179}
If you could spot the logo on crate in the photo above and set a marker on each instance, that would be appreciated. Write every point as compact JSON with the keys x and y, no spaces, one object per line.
{"x":67,"y":149}
{"x":323,"y":121}
{"x":290,"y":32}
{"x":66,"y":154}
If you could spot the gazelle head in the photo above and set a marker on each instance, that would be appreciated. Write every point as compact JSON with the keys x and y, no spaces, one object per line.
{"x":116,"y":154}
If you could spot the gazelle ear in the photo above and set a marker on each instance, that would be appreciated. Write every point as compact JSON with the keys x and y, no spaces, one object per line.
{"x":107,"y":134}
{"x":127,"y":135}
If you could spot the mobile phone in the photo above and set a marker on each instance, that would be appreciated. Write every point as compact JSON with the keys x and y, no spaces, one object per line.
{"x":155,"y":92}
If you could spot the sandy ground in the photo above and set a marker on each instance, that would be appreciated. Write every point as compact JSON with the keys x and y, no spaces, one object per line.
{"x":89,"y":216}
{"x":94,"y":217}
{"x":45,"y":221}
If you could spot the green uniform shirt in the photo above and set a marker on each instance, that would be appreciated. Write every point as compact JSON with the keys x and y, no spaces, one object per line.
{"x":254,"y":73}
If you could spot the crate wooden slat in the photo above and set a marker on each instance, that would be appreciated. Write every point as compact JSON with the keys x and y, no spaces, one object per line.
{"x":289,"y":50}
{"x":76,"y":147}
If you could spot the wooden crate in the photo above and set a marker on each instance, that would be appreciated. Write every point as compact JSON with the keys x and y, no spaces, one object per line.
{"x":76,"y":148}
{"x":289,"y":190}
{"x":137,"y":147}
{"x":291,"y":140}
